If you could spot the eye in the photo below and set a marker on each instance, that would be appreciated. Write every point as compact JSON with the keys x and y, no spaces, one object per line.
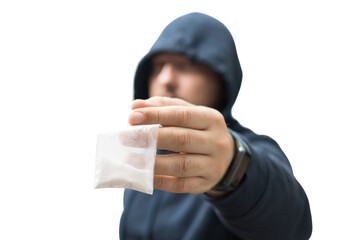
{"x":182,"y":66}
{"x":188,"y":67}
{"x":157,"y":66}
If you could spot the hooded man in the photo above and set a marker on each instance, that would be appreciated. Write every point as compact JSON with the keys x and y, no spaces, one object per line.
{"x":215,"y":178}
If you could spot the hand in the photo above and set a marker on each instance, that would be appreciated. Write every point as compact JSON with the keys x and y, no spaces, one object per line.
{"x":198,"y":133}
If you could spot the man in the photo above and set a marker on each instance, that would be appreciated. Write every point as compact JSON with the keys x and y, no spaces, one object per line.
{"x":220,"y":180}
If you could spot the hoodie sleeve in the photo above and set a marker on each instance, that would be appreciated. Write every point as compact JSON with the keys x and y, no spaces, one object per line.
{"x":269,"y":202}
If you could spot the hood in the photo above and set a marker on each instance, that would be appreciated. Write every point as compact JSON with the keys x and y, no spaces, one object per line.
{"x":203,"y":39}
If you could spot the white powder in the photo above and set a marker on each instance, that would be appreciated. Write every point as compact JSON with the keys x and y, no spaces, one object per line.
{"x":126,"y":158}
{"x":123,"y":176}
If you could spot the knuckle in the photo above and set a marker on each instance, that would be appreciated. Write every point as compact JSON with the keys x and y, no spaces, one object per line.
{"x":156,"y":100}
{"x":218,"y":117}
{"x":161,"y":101}
{"x":157,"y":117}
{"x":181,"y":139}
{"x":181,"y":185}
{"x":159,"y":182}
{"x":185,"y":164}
{"x":183,"y":115}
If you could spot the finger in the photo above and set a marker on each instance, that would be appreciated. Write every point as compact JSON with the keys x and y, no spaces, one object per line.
{"x":139,"y":160}
{"x":181,"y":165}
{"x":159,"y":102}
{"x":139,"y":137}
{"x":183,"y":140}
{"x":196,"y":117}
{"x":178,"y":184}
{"x":139,"y":103}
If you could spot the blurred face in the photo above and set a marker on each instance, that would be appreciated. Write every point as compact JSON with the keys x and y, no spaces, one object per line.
{"x":176,"y":76}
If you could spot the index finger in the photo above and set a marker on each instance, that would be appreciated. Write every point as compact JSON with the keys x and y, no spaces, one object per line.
{"x":158,"y":101}
{"x":195,"y":117}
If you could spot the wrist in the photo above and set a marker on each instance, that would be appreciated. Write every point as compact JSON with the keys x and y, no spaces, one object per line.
{"x":237,"y":168}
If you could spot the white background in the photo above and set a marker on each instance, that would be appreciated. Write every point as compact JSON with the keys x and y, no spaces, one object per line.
{"x":66,"y":70}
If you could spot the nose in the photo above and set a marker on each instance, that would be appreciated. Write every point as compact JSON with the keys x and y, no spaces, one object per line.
{"x":167,"y":75}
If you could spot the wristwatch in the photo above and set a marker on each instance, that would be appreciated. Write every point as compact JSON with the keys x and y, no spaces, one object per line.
{"x":237,"y":167}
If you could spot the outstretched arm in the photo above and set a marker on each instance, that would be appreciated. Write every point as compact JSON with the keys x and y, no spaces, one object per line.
{"x":268,"y":204}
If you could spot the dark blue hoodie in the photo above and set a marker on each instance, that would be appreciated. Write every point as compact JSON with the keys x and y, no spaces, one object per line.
{"x":268,"y":204}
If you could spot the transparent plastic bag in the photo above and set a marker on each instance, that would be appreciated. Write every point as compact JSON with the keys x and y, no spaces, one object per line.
{"x":126,"y":158}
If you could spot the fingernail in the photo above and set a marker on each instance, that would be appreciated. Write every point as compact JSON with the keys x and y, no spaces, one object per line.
{"x":136,"y":118}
